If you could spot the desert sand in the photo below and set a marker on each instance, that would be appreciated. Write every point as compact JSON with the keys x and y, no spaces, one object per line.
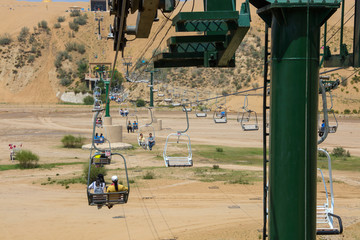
{"x":172,"y":206}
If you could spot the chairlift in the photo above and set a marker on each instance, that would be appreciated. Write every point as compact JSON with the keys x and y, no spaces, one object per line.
{"x":97,"y":104}
{"x":147,"y":129}
{"x":155,"y":90}
{"x":220,"y":113}
{"x":97,"y":92}
{"x":132,"y":117}
{"x":168,"y":100}
{"x":112,"y":198}
{"x":326,"y":127}
{"x":176,"y":104}
{"x":201,"y":110}
{"x":99,"y":159}
{"x":248,"y":121}
{"x":175,"y":140}
{"x":325,"y":212}
{"x":160,"y":94}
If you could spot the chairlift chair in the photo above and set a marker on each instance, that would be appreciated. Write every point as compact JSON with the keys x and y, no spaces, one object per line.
{"x":174,"y":139}
{"x":97,"y":92}
{"x":325,"y":212}
{"x":97,"y":104}
{"x":109,"y":199}
{"x":220,"y":115}
{"x":250,"y":122}
{"x":147,"y":128}
{"x":160,"y":94}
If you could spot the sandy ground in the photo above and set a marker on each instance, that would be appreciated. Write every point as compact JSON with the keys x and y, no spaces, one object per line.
{"x":175,"y":208}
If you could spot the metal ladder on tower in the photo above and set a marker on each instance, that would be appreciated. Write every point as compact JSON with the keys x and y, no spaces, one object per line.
{"x":266,"y":133}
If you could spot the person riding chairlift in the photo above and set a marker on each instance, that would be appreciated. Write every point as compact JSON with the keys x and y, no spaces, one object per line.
{"x":99,"y":186}
{"x":115,"y":187}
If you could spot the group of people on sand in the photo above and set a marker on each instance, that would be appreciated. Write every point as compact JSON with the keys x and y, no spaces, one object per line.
{"x":132,"y":127}
{"x":99,"y":187}
{"x":146,"y":144}
{"x":124,"y":113}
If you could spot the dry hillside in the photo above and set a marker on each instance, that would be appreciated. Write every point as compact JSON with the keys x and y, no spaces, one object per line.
{"x":40,"y":81}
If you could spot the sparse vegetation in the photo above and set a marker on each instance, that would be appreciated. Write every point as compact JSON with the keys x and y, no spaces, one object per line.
{"x":81,"y":20}
{"x":69,"y":141}
{"x":75,"y":13}
{"x":5,"y":39}
{"x":339,"y":152}
{"x":74,"y":26}
{"x":149,"y":175}
{"x":73,"y":46}
{"x":140,"y":102}
{"x":61,"y":19}
{"x":27,"y":159}
{"x":43,"y":24}
{"x":23,"y":34}
{"x":88,"y":100}
{"x":347,"y":111}
{"x":57,"y":25}
{"x":94,"y":172}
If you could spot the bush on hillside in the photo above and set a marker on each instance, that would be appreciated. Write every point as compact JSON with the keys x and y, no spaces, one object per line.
{"x":69,"y":141}
{"x":43,"y":24}
{"x":140,"y":103}
{"x":88,"y":100}
{"x":61,"y":19}
{"x":23,"y":34}
{"x":94,"y":172}
{"x":73,"y":46}
{"x":5,"y":39}
{"x":74,"y":26}
{"x":81,"y":20}
{"x":75,"y":13}
{"x":57,"y":25}
{"x":65,"y":81}
{"x":27,"y":159}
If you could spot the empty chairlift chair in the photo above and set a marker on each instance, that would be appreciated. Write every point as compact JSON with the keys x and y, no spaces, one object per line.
{"x":325,"y":224}
{"x":174,"y":141}
{"x":248,"y":121}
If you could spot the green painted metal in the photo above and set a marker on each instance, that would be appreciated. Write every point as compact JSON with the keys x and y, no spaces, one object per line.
{"x":223,"y":27}
{"x":197,"y":43}
{"x":356,"y":42}
{"x":295,"y":39}
{"x":216,"y":5}
{"x":216,"y":21}
{"x":151,"y":89}
{"x":107,"y":109}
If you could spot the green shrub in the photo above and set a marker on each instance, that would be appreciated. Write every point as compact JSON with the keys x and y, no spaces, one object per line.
{"x":94,"y":172}
{"x":219,"y":149}
{"x":347,"y":111}
{"x":61,"y":19}
{"x":23,"y":34}
{"x":43,"y":24}
{"x":149,"y":175}
{"x":27,"y":159}
{"x":81,"y":20}
{"x":31,"y":59}
{"x":81,"y":48}
{"x":140,"y":103}
{"x":88,"y":100}
{"x":74,"y":26}
{"x":355,"y":111}
{"x":65,"y":81}
{"x":5,"y":39}
{"x":339,"y":152}
{"x":57,"y":25}
{"x":69,"y":141}
{"x":216,"y":167}
{"x":75,"y":13}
